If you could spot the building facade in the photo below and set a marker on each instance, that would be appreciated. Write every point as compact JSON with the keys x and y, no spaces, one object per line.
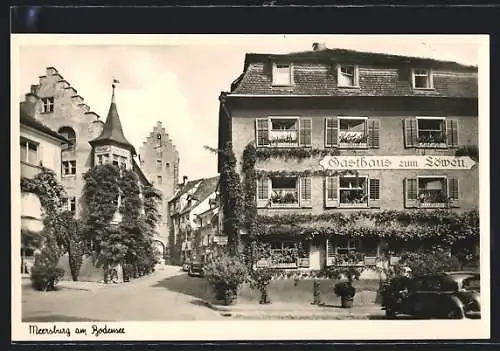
{"x":193,"y":198}
{"x":343,"y":132}
{"x":40,"y":148}
{"x":159,"y":160}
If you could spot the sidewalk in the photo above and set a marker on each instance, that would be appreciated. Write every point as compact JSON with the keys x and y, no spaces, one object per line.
{"x":280,"y":310}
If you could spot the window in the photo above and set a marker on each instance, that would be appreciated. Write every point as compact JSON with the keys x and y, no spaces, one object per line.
{"x":422,"y":79}
{"x":159,"y":180}
{"x":167,"y":164}
{"x":159,"y":164}
{"x":352,"y":132}
{"x":116,"y":160}
{"x":341,"y":247}
{"x":431,"y":132}
{"x":282,"y":74}
{"x":29,"y":151}
{"x":123,"y":162}
{"x":69,"y":167}
{"x":284,"y":192}
{"x":72,"y":204}
{"x":352,"y":191}
{"x":283,"y":132}
{"x":99,"y":159}
{"x":432,"y":192}
{"x":347,"y":76}
{"x":48,"y":105}
{"x":69,"y":134}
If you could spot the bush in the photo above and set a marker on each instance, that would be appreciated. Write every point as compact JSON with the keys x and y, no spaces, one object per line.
{"x":259,"y":280}
{"x":226,"y":274}
{"x":75,"y":257}
{"x":338,"y":272}
{"x":424,"y":263}
{"x":344,"y":290}
{"x":45,"y":273}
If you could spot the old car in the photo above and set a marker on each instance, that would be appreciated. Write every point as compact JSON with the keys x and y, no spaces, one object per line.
{"x":196,"y":269}
{"x":430,"y":296}
{"x":463,"y":278}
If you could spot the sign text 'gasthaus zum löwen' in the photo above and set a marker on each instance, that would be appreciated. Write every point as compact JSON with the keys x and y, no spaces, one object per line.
{"x":397,"y":162}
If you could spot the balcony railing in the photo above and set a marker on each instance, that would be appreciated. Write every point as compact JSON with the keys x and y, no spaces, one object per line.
{"x":29,"y":170}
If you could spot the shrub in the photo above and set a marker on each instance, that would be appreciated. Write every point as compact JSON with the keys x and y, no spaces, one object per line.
{"x":226,"y":274}
{"x":259,"y":280}
{"x":75,"y":257}
{"x":344,"y":290}
{"x":432,"y":262}
{"x":45,"y":273}
{"x":339,"y":272}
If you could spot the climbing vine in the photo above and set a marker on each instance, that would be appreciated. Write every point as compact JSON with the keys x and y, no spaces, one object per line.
{"x":130,"y":241}
{"x":231,"y":198}
{"x":438,"y":226}
{"x":468,"y":150}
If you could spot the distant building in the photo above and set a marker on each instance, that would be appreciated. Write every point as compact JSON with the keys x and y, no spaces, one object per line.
{"x":194,"y":198}
{"x":390,"y":119}
{"x":159,"y":160}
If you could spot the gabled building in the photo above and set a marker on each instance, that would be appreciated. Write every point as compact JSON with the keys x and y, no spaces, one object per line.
{"x":193,"y":198}
{"x":341,"y":132}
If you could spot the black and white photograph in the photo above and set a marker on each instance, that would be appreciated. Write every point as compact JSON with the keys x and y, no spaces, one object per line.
{"x":239,"y":187}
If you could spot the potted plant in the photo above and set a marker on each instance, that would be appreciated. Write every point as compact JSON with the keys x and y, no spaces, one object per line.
{"x":345,"y":290}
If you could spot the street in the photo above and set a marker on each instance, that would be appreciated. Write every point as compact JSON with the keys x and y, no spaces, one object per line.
{"x":144,"y":299}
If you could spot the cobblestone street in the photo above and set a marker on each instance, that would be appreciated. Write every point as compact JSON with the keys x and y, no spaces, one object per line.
{"x":140,"y":300}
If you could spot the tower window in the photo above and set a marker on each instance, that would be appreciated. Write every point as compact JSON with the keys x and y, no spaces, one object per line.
{"x":69,"y":167}
{"x":69,"y":134}
{"x":158,"y":163}
{"x":159,"y":180}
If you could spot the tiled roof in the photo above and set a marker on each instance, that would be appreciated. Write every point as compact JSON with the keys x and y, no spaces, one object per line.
{"x":315,"y":73}
{"x":207,"y":187}
{"x":26,"y":118}
{"x":184,"y":189}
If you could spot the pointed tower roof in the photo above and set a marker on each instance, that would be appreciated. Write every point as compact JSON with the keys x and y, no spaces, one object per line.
{"x":112,"y":131}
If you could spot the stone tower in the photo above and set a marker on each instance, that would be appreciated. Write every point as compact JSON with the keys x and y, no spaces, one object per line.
{"x":159,"y":161}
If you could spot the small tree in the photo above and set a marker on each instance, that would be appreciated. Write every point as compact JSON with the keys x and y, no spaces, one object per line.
{"x":45,"y":273}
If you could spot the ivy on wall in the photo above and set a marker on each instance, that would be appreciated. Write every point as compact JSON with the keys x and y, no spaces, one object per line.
{"x":131,"y":240}
{"x":468,"y":150}
{"x":433,"y":226}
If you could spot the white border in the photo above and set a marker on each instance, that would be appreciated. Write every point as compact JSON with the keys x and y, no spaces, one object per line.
{"x":258,"y":330}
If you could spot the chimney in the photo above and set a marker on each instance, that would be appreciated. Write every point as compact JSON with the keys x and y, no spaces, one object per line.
{"x":319,"y":46}
{"x":184,"y":180}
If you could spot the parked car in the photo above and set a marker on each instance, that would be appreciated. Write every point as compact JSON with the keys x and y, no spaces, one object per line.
{"x":463,"y":278}
{"x":185,"y":267}
{"x":430,"y":296}
{"x":196,"y":268}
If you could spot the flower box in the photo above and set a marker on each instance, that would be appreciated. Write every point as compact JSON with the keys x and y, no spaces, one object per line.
{"x":303,"y":262}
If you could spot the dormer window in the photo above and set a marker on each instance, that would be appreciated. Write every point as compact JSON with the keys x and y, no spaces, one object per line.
{"x":282,"y":74}
{"x":422,"y":78}
{"x":347,"y":76}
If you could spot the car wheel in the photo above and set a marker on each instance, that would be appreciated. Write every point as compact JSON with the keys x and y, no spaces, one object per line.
{"x":389,"y":313}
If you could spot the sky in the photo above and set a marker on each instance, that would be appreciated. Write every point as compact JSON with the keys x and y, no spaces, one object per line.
{"x":177,"y":79}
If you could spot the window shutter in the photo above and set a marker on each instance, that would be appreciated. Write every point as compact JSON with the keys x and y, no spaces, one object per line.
{"x":331,"y":192}
{"x":262,"y":131}
{"x":411,"y":192}
{"x":411,"y":132}
{"x":331,"y":131}
{"x":374,"y":192}
{"x":305,"y":192}
{"x":263,"y":192}
{"x":452,"y":132}
{"x":305,"y":126}
{"x":330,"y":253}
{"x":374,"y":133}
{"x":453,"y":192}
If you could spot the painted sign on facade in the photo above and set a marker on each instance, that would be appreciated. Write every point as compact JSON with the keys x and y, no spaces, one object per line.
{"x":397,"y":162}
